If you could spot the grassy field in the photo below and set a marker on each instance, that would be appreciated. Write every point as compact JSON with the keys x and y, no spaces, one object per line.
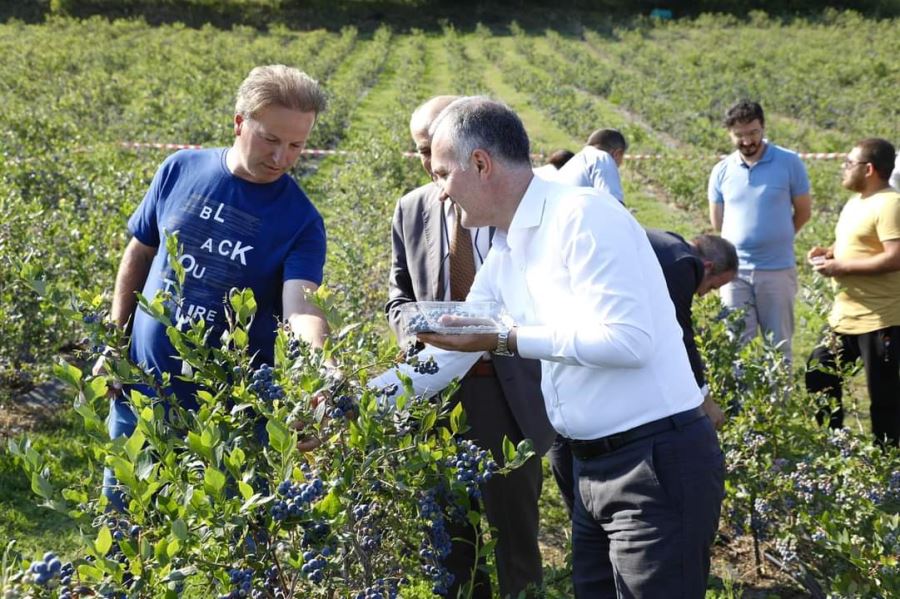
{"x":70,"y":185}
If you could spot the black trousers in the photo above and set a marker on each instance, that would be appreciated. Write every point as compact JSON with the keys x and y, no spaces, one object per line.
{"x":509,"y":502}
{"x":880,"y":354}
{"x":561,"y":466}
{"x":646,"y":515}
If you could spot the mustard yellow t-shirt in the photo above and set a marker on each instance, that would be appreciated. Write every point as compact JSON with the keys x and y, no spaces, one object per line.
{"x":865,"y":303}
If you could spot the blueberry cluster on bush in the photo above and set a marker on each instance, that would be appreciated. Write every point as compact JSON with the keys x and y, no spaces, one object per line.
{"x":474,"y":466}
{"x":436,"y":546}
{"x":314,"y":565}
{"x":241,"y":580}
{"x":382,"y":589}
{"x":343,"y":406}
{"x":263,"y":385}
{"x":295,"y":498}
{"x":429,"y":366}
{"x":50,"y":572}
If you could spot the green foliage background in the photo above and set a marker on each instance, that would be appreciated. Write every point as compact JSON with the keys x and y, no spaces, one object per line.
{"x":73,"y":89}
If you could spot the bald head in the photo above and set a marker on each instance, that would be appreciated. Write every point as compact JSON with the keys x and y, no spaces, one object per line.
{"x":420,"y":123}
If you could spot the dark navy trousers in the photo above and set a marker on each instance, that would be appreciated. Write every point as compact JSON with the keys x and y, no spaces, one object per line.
{"x":646,"y":514}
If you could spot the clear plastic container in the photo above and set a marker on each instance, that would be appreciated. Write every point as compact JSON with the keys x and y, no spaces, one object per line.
{"x":453,"y":318}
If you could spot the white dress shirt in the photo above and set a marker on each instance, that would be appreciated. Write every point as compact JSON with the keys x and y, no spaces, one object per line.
{"x":547,"y":171}
{"x":592,"y":168}
{"x":577,"y":274}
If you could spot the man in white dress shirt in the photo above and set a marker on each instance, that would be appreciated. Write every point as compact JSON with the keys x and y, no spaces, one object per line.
{"x":577,"y":274}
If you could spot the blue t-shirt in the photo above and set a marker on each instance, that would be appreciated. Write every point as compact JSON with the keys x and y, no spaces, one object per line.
{"x":759,"y":211}
{"x":234,"y":234}
{"x":592,"y":168}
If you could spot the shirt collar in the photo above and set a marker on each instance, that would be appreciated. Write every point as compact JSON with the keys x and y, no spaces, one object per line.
{"x":529,"y":213}
{"x":766,"y":157}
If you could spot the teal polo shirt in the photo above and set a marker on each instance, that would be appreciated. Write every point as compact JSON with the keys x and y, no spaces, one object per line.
{"x":759,"y":211}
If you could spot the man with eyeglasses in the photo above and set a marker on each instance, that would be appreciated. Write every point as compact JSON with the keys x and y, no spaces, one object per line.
{"x":435,"y":257}
{"x":759,"y":199}
{"x":864,"y":263}
{"x":242,"y":222}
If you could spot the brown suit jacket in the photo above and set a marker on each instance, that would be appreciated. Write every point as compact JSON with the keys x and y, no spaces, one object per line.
{"x":416,"y":273}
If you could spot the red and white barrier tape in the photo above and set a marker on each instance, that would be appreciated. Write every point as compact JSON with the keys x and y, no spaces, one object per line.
{"x":137,"y":145}
{"x":805,"y":155}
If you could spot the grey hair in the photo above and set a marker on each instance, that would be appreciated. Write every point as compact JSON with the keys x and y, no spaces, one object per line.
{"x":477,"y":122}
{"x":279,"y":85}
{"x":718,"y":251}
{"x":427,"y":112}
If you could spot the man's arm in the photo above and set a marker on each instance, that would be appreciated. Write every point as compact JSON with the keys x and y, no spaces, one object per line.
{"x":305,"y":320}
{"x":886,"y":261}
{"x":400,"y":288}
{"x":130,"y":278}
{"x":716,"y":214}
{"x":802,"y":210}
{"x":683,"y":278}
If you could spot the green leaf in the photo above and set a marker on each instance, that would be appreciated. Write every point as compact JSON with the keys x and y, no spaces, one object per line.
{"x":144,"y":467}
{"x":428,"y":421}
{"x":88,"y":572}
{"x":240,"y":338}
{"x":103,"y":542}
{"x":123,"y":469}
{"x":68,"y":373}
{"x":159,"y":551}
{"x":180,"y":529}
{"x":41,"y":486}
{"x":474,"y":518}
{"x":14,"y":448}
{"x":213,"y":481}
{"x":237,"y":457}
{"x":330,"y":505}
{"x":96,"y":388}
{"x":135,"y":444}
{"x":92,"y":421}
{"x":196,"y":445}
{"x":245,"y":490}
{"x":457,"y":419}
{"x":509,"y":450}
{"x":279,"y":436}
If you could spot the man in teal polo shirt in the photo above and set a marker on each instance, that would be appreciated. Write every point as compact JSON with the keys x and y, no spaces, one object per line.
{"x":759,"y":199}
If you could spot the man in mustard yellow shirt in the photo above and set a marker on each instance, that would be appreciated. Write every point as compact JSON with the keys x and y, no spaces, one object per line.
{"x":864,"y":262}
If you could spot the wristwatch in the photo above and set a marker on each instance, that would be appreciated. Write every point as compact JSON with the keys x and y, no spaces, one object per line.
{"x":502,"y":348}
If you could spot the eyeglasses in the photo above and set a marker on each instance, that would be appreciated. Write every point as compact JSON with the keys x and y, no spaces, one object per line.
{"x":853,"y":163}
{"x":746,"y":135}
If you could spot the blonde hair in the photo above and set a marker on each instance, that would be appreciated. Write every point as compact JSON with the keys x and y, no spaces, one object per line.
{"x":279,"y":85}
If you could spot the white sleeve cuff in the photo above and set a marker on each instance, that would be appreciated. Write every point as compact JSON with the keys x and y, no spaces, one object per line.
{"x":534,"y":342}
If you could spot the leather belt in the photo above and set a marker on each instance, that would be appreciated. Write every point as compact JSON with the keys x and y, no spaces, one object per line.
{"x":585,"y":450}
{"x":482,"y":368}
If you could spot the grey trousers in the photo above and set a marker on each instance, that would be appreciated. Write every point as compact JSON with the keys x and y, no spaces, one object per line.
{"x":768,"y":299}
{"x":646,"y":515}
{"x":509,"y":502}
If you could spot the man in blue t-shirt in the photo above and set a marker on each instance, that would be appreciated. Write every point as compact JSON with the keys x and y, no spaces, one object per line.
{"x":242,"y":222}
{"x":759,"y":199}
